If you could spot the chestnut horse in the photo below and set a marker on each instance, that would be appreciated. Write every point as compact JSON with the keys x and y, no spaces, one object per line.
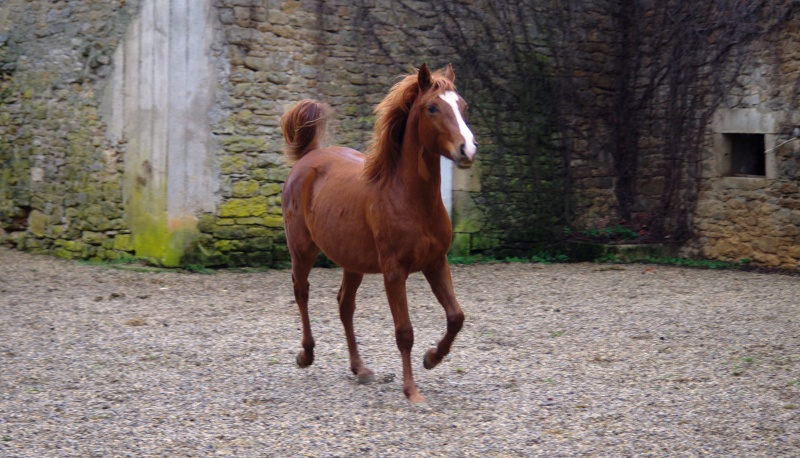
{"x":381,"y":213}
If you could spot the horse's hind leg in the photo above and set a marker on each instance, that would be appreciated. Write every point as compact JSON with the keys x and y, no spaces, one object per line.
{"x":302,"y":262}
{"x":442,"y":285}
{"x":347,"y":307}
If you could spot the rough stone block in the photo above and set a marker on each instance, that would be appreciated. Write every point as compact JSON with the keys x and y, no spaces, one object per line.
{"x":273,"y":221}
{"x":123,"y":242}
{"x":37,"y":223}
{"x":245,"y":188}
{"x":237,"y":208}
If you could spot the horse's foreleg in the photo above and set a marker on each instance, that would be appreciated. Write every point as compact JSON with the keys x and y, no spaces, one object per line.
{"x":395,"y":283}
{"x":442,"y":285}
{"x":347,"y":307}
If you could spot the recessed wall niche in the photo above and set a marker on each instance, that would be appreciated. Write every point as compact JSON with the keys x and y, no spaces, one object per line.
{"x":743,"y":143}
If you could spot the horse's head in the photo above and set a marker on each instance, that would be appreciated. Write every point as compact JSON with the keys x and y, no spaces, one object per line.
{"x":442,"y":129}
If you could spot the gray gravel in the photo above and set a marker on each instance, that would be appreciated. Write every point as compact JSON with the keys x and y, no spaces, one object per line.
{"x":554,"y":360}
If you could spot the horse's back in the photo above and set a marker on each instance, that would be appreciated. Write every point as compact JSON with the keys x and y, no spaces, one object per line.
{"x":318,"y":167}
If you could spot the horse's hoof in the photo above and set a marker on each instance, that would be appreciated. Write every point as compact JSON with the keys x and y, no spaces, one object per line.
{"x":421,"y":406}
{"x":418,"y":401}
{"x":301,"y":361}
{"x":366,"y":377}
{"x":429,"y":361}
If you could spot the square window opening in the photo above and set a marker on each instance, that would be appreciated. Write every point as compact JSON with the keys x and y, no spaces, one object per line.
{"x":747,"y":155}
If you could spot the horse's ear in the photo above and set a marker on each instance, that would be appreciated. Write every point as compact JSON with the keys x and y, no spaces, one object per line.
{"x":424,"y":77}
{"x":449,"y":73}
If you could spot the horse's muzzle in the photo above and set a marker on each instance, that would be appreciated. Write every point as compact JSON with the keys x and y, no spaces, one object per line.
{"x":466,"y":155}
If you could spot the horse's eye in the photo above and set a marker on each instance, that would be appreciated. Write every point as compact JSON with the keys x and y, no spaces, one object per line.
{"x":432,"y":109}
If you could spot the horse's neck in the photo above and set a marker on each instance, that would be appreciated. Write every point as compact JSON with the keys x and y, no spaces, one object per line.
{"x":419,"y":179}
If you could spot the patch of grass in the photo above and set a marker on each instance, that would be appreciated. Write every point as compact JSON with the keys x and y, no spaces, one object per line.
{"x":466,"y":260}
{"x":608,"y":234}
{"x":557,"y":334}
{"x":539,"y":258}
{"x":123,"y":260}
{"x":252,"y":270}
{"x":680,"y":262}
{"x":549,"y":258}
{"x":609,"y":259}
{"x":698,"y":263}
{"x":128,"y":263}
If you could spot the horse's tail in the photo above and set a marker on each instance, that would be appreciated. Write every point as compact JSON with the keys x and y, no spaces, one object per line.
{"x":303,"y":127}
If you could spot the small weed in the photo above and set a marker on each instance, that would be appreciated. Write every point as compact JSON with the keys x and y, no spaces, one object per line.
{"x":461,"y":370}
{"x":742,"y":364}
{"x":609,"y":258}
{"x":6,"y":439}
{"x":557,"y":334}
{"x":199,"y":269}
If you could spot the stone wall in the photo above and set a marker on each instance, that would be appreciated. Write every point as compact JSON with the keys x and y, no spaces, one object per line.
{"x":573,"y":131}
{"x":656,"y":161}
{"x":756,"y":218}
{"x":61,"y":177}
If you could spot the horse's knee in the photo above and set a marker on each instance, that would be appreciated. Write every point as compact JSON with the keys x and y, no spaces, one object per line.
{"x":405,"y":337}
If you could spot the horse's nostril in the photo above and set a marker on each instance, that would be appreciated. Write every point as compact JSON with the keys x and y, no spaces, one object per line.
{"x":463,"y":151}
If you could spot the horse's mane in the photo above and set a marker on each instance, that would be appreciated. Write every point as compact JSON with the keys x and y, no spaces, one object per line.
{"x":383,"y":153}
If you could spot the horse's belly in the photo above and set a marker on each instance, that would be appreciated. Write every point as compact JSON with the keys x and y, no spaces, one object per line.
{"x":339,"y":227}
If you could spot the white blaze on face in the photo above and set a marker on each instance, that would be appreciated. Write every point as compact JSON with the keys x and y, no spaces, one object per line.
{"x":469,"y":140}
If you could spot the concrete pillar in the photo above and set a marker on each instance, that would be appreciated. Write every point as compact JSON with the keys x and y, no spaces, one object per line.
{"x":158,"y":101}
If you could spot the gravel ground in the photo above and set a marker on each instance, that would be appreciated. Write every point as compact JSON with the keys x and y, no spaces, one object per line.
{"x":554,"y":360}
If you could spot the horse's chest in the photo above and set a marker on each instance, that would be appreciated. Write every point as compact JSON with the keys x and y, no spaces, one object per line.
{"x":417,"y":244}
